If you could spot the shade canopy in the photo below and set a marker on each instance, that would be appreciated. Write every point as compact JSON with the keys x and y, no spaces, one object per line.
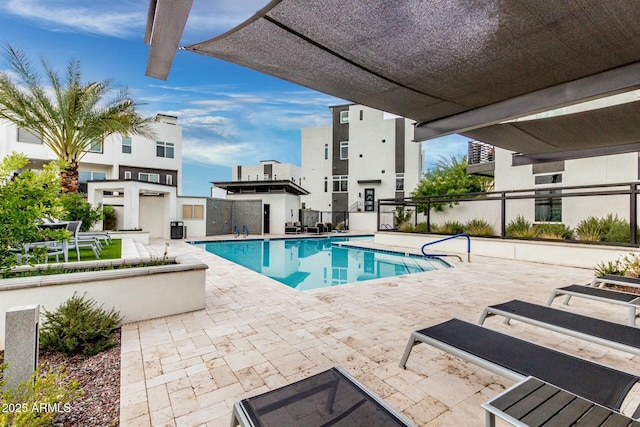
{"x":455,"y":66}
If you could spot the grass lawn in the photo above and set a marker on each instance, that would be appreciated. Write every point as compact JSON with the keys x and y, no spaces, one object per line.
{"x":112,"y":251}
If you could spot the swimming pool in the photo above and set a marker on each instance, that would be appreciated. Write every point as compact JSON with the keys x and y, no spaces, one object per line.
{"x":310,"y":263}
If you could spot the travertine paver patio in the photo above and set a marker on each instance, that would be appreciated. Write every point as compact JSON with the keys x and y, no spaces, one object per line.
{"x":256,"y":334}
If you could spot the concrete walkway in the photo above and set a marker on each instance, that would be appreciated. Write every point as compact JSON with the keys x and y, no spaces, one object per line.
{"x":257,"y":334}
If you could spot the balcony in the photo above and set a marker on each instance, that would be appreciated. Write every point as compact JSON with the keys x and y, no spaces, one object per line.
{"x":480,"y":158}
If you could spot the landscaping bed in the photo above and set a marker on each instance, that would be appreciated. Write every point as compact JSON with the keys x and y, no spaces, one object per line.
{"x":99,"y":378}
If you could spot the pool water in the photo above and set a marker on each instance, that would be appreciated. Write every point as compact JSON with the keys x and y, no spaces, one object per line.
{"x":310,"y":263}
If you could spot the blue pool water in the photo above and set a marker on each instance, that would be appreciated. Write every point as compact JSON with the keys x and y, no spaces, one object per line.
{"x":318,"y":262}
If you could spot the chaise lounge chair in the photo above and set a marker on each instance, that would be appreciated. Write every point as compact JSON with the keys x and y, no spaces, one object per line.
{"x":517,"y":359}
{"x":330,"y":398}
{"x":78,"y":242}
{"x":626,"y":299}
{"x":613,"y":335}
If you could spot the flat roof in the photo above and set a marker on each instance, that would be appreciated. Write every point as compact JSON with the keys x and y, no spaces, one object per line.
{"x":267,"y":186}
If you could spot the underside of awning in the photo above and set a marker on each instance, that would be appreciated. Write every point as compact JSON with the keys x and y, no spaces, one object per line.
{"x":456,"y":66}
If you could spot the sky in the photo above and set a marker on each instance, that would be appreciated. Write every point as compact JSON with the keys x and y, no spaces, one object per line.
{"x":229,"y":114}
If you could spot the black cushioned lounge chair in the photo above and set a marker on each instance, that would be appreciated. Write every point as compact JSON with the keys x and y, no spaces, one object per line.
{"x":517,"y":359}
{"x":614,"y":335}
{"x":626,"y":299}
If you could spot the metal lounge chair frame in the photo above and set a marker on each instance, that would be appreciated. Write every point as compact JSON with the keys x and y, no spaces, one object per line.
{"x":78,"y":242}
{"x":629,"y":300}
{"x":613,"y":335}
{"x":516,"y":359}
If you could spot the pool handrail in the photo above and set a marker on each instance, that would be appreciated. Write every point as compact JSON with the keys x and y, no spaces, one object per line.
{"x":236,"y":231}
{"x":245,"y":230}
{"x":449,"y":238}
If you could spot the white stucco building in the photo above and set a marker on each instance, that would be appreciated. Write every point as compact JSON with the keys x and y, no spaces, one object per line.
{"x":136,"y":175}
{"x":363,"y":156}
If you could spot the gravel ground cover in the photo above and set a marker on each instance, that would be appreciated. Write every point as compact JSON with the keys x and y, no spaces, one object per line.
{"x":99,"y":378}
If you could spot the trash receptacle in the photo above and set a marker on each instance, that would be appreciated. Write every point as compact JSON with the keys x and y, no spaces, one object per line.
{"x":177,"y":230}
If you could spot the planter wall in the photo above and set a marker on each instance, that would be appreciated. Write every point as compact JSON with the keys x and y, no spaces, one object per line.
{"x":556,"y":253}
{"x":139,"y":293}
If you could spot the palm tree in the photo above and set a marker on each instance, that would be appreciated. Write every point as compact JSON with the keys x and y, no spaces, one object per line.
{"x":68,"y":115}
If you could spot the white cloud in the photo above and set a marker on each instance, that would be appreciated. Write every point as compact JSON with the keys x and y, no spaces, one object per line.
{"x":118,"y":19}
{"x":219,"y":153}
{"x":211,"y":19}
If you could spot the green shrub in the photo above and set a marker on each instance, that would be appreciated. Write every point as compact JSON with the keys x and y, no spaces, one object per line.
{"x":109,"y":217}
{"x":553,"y":231}
{"x":451,"y":227}
{"x":520,"y":227}
{"x":615,"y":229}
{"x":37,"y":400}
{"x":590,"y":229}
{"x":406,"y":227}
{"x":77,"y":326}
{"x":78,"y":209}
{"x":609,"y":267}
{"x":421,"y":227}
{"x":479,"y":227}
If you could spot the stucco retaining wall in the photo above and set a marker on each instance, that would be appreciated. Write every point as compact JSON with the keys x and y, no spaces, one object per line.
{"x":139,"y":293}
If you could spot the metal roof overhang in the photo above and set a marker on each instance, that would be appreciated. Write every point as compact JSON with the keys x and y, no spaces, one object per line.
{"x":453,"y":66}
{"x":258,"y":187}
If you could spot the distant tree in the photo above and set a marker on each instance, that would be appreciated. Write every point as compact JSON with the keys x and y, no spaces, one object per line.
{"x":68,"y":115}
{"x":449,"y":177}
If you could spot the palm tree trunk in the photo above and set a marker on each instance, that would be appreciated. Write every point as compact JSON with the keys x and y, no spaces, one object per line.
{"x":70,"y":178}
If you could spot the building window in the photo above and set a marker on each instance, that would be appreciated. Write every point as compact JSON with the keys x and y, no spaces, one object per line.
{"x":548,"y":209}
{"x":149,"y":177}
{"x":96,"y":147}
{"x":549,"y":179}
{"x":326,"y":151}
{"x":326,"y":184}
{"x":192,"y":211}
{"x":164,"y":149}
{"x":169,"y":180}
{"x":127,"y":174}
{"x":85,"y":176}
{"x":28,"y":136}
{"x":399,"y":181}
{"x":344,"y":150}
{"x":126,"y":145}
{"x":344,"y":117}
{"x":361,"y":114}
{"x":340,"y":183}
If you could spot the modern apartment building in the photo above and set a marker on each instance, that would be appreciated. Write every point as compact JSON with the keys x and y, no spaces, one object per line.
{"x":363,"y":156}
{"x":118,"y":157}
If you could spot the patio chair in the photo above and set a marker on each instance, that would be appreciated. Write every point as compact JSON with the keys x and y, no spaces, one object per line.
{"x":517,"y":359}
{"x":626,"y":299}
{"x":102,"y":236}
{"x":316,"y":229}
{"x":54,"y":248}
{"x":332,"y":397}
{"x":78,"y":242}
{"x":613,"y":335}
{"x":292,"y":228}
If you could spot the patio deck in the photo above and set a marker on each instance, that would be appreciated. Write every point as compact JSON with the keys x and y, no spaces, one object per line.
{"x":256,"y":335}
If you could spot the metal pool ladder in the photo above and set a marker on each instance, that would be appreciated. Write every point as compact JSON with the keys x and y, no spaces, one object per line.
{"x":445,"y":239}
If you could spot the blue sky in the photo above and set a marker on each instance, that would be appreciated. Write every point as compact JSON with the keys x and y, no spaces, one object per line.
{"x":229,"y":114}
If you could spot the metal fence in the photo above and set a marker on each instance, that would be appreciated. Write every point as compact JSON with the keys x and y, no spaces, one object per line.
{"x":576,"y":203}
